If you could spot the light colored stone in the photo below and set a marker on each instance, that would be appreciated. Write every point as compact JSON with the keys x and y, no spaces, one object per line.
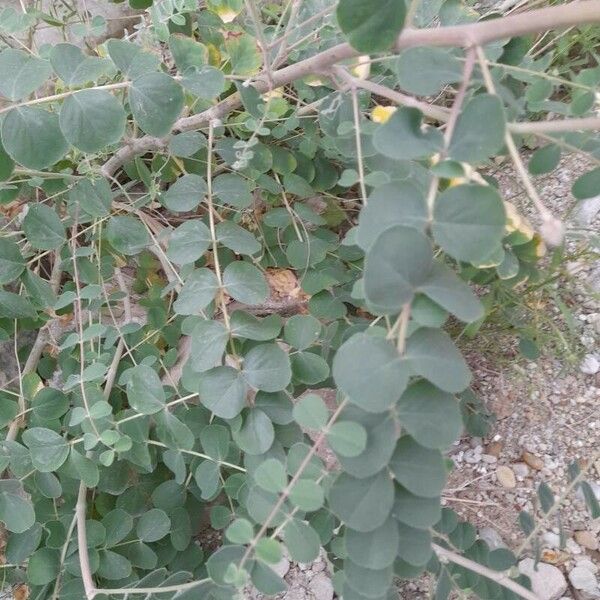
{"x":320,"y":587}
{"x":586,"y":563}
{"x":520,"y":469}
{"x":492,"y":538}
{"x":551,"y":539}
{"x":535,"y":462}
{"x":586,"y":539}
{"x":506,"y":478}
{"x":582,"y":579}
{"x":547,"y":581}
{"x":590,"y":365}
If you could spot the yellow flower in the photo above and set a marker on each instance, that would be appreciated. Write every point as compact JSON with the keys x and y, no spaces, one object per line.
{"x":381,"y":114}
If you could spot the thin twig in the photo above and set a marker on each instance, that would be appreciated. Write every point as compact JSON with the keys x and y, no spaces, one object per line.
{"x":499,"y":577}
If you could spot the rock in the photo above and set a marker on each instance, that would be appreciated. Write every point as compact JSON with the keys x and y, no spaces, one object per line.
{"x":506,"y":478}
{"x":582,"y":579}
{"x":492,"y":538}
{"x":535,"y":462}
{"x":551,"y":539}
{"x":488,"y":458}
{"x":547,"y":581}
{"x":586,"y":563}
{"x":494,"y":449}
{"x":586,"y":539}
{"x":321,"y":587}
{"x":590,"y":365}
{"x":520,"y":469}
{"x":572,"y":547}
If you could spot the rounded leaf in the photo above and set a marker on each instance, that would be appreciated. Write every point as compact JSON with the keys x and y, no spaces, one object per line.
{"x":469,"y":221}
{"x":32,"y":137}
{"x":267,"y":367}
{"x":92,"y":120}
{"x":369,"y":371}
{"x":362,"y":504}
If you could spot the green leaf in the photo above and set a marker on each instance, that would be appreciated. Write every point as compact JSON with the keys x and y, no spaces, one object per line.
{"x":373,"y":582}
{"x":32,"y":137}
{"x":307,"y":495}
{"x":371,"y":27}
{"x":431,"y":353}
{"x":245,"y":283}
{"x":186,"y":144}
{"x":375,"y":549}
{"x":233,"y":190}
{"x":76,"y":68}
{"x":130,"y":59}
{"x":415,"y":545}
{"x":420,"y":470}
{"x":310,"y":412}
{"x":48,"y":449}
{"x":153,"y":525}
{"x":20,"y":546}
{"x":266,"y":581}
{"x":13,"y":306}
{"x":21,"y":73}
{"x":85,"y":467}
{"x":245,"y":325}
{"x":416,"y":511}
{"x":206,"y":82}
{"x":244,"y":54}
{"x":156,"y":100}
{"x":197,"y":292}
{"x":12,"y":263}
{"x":430,"y":416}
{"x":93,"y":196}
{"x":396,"y":203}
{"x":92,"y":120}
{"x":185,"y":194}
{"x":301,"y":331}
{"x":127,"y":235}
{"x":240,"y":531}
{"x":447,"y":290}
{"x":236,"y":238}
{"x":43,"y":228}
{"x":369,"y":371}
{"x":587,"y":185}
{"x":267,"y":367}
{"x":302,"y":541}
{"x":469,"y":221}
{"x":43,"y":566}
{"x":208,"y":342}
{"x":7,"y":164}
{"x":16,"y":512}
{"x":404,"y":137}
{"x":362,"y":504}
{"x":223,"y":391}
{"x":397,"y":263}
{"x":113,"y":566}
{"x":347,"y":438}
{"x":218,"y":563}
{"x":425,"y":70}
{"x":50,"y":403}
{"x":480,"y":130}
{"x":271,"y":476}
{"x":269,"y":550}
{"x":256,"y":433}
{"x":381,"y":441}
{"x":544,"y":159}
{"x":187,"y":53}
{"x":145,"y":392}
{"x":117,"y":524}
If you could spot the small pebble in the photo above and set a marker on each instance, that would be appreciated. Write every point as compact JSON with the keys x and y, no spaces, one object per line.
{"x":586,"y":539}
{"x":590,"y":365}
{"x":535,"y":462}
{"x":506,"y":478}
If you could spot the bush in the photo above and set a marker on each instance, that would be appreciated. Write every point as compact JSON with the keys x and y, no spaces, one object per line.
{"x":225,"y":210}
